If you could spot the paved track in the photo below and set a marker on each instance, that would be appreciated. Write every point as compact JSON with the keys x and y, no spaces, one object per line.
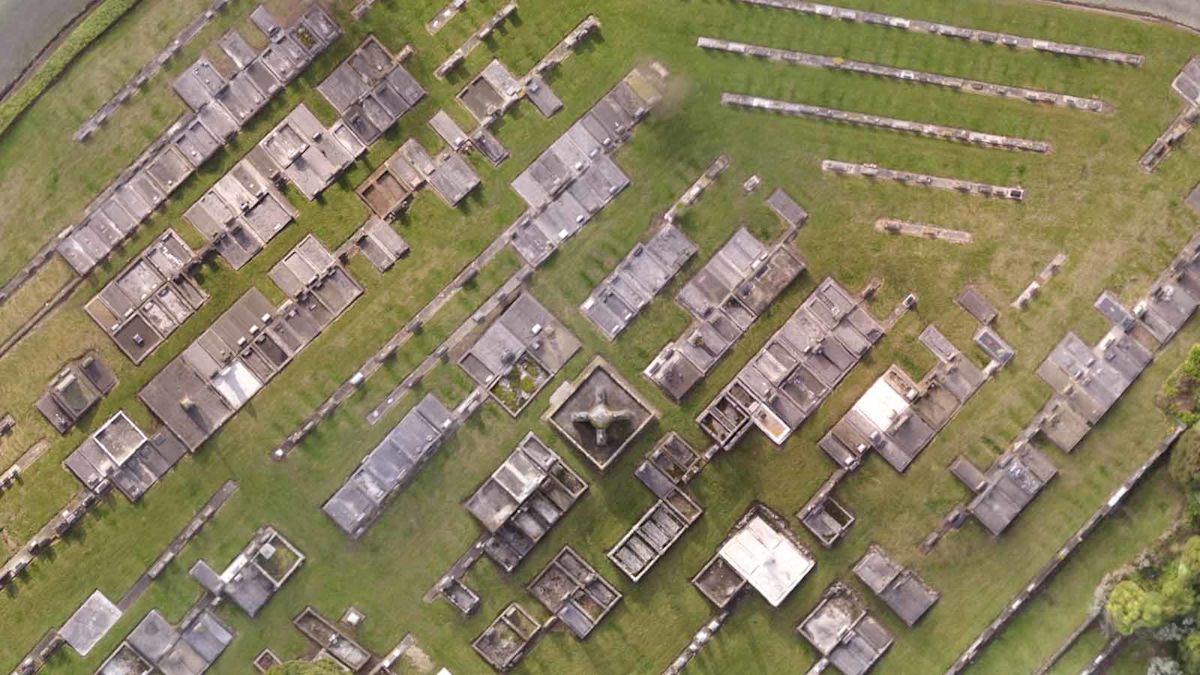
{"x":1186,"y":12}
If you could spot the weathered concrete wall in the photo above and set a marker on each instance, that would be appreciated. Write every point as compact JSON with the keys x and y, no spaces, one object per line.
{"x":1186,"y":12}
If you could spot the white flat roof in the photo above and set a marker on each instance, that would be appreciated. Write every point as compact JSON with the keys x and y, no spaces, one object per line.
{"x":767,"y":560}
{"x":236,"y":384}
{"x":881,"y":405}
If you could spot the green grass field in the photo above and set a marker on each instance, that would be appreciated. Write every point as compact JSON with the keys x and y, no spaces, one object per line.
{"x":1088,"y":198}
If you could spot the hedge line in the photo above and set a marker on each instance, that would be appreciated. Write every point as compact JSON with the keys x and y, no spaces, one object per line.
{"x":92,"y":27}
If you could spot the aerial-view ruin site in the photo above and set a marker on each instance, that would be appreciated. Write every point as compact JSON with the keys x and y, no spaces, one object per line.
{"x":565,"y":337}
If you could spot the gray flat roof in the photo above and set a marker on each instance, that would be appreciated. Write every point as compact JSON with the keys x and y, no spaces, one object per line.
{"x":91,"y":622}
{"x":388,"y":466}
{"x":786,"y":208}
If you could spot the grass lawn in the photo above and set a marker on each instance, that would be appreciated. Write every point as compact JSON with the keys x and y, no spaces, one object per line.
{"x":1088,"y":198}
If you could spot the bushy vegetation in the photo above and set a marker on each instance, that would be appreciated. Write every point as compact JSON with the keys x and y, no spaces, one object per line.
{"x":1185,"y":470}
{"x":1161,"y":601}
{"x":1179,"y":392}
{"x":92,"y":27}
{"x":1185,"y":460}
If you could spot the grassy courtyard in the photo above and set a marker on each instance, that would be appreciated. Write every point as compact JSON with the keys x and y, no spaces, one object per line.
{"x":1088,"y":198}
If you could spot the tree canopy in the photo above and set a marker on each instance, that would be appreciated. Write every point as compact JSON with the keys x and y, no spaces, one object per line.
{"x":1185,"y":459}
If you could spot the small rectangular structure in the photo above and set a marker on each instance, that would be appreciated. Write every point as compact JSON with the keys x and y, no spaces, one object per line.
{"x":1169,"y":304}
{"x":310,"y":274}
{"x":993,"y":345}
{"x":1061,"y":423}
{"x":522,"y":499}
{"x":898,"y":417}
{"x":201,"y":84}
{"x":976,"y":305}
{"x":519,"y":353}
{"x":266,"y":660}
{"x":569,"y":183}
{"x":719,"y":583}
{"x":791,"y":213}
{"x":734,"y":287}
{"x":1114,"y":312}
{"x":370,"y":89}
{"x":390,"y":188}
{"x":788,"y":379}
{"x":241,"y":213}
{"x":1009,"y":486}
{"x":120,"y":454}
{"x":308,"y":154}
{"x":1169,"y":139}
{"x":923,"y":231}
{"x":459,"y":56}
{"x":380,"y":243}
{"x":389,"y":466}
{"x":155,"y":645}
{"x":654,"y":533}
{"x":332,"y":642}
{"x":125,"y":661}
{"x":842,"y":631}
{"x":490,"y":93}
{"x":1092,"y":380}
{"x":669,"y":465}
{"x":601,"y":415}
{"x":542,"y":96}
{"x":439,"y":20}
{"x":91,"y":622}
{"x":763,"y":552}
{"x":1186,"y":86}
{"x":648,"y":267}
{"x":719,"y":285}
{"x":150,"y":298}
{"x":568,"y":45}
{"x":489,"y":146}
{"x":937,"y":131}
{"x":826,"y":519}
{"x":75,"y":390}
{"x":445,"y":126}
{"x":464,"y":599}
{"x":574,"y":592}
{"x":702,"y":183}
{"x":900,"y":588}
{"x":452,"y":178}
{"x":255,"y":574}
{"x":506,"y":640}
{"x":879,"y":173}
